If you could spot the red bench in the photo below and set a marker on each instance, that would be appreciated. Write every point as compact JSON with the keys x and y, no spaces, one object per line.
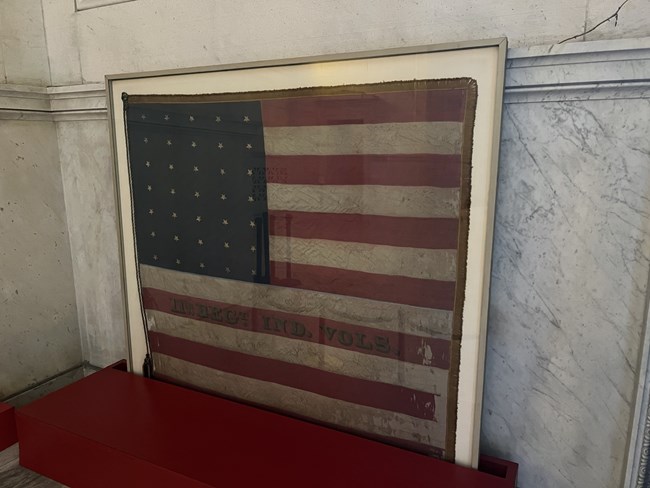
{"x":114,"y":429}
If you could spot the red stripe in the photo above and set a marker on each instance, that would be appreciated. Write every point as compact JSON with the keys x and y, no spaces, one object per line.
{"x":368,"y":108}
{"x":439,"y":170}
{"x":366,"y":340}
{"x":383,"y":396}
{"x":371,"y":229}
{"x":386,"y":288}
{"x":427,"y":449}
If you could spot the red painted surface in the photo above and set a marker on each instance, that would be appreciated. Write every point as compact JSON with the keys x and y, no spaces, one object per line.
{"x":7,"y":426}
{"x":117,"y":429}
{"x":373,"y":108}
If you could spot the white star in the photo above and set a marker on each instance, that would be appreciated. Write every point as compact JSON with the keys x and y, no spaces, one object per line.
{"x":250,"y":199}
{"x":147,"y":164}
{"x":201,"y":265}
{"x":253,"y":272}
{"x":253,"y":249}
{"x":246,"y":119}
{"x":178,"y":261}
{"x":171,"y":166}
{"x":148,"y":187}
{"x":218,"y":119}
{"x":252,"y":224}
{"x":197,"y":194}
{"x":146,"y":139}
{"x":174,"y":215}
{"x":248,"y":146}
{"x":200,"y":242}
{"x":220,"y":145}
{"x":198,"y":218}
{"x":155,"y":257}
{"x":196,"y":168}
{"x":169,"y":142}
{"x":143,"y":116}
{"x":151,"y":211}
{"x":227,"y":269}
{"x":226,"y":245}
{"x":172,"y":191}
{"x":191,"y":118}
{"x":223,"y":196}
{"x":223,"y":171}
{"x":166,"y":117}
{"x":249,"y":172}
{"x":176,"y":238}
{"x":224,"y":221}
{"x":153,"y":234}
{"x":193,"y":144}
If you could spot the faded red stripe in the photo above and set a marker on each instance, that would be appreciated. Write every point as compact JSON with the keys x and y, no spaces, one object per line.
{"x":361,"y":339}
{"x":388,"y":288}
{"x":383,"y":396}
{"x":370,"y":229}
{"x":427,"y":449}
{"x":369,"y":108}
{"x":439,"y":170}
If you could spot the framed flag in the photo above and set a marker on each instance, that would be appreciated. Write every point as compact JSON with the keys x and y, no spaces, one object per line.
{"x":313,"y":235}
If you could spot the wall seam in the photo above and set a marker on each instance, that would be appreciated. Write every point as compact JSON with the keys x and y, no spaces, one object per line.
{"x":47,"y":48}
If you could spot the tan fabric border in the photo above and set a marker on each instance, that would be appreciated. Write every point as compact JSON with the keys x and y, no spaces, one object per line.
{"x":387,"y":86}
{"x":461,"y":266}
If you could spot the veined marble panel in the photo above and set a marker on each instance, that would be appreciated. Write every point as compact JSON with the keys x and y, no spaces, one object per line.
{"x":569,"y":283}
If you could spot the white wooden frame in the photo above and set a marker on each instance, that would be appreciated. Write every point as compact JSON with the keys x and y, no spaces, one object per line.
{"x":482,"y":60}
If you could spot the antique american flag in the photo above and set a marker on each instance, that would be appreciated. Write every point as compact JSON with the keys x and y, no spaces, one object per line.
{"x":305,"y":250}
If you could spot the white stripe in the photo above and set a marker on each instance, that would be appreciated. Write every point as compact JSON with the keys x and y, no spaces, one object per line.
{"x":317,"y":407}
{"x":370,"y":313}
{"x":326,"y":358}
{"x":428,"y":264}
{"x":392,"y":201}
{"x":388,"y":138}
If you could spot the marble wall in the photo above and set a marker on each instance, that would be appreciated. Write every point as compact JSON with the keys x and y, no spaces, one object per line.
{"x":23,"y":49}
{"x":38,"y":316}
{"x":87,"y":168}
{"x":570,"y":267}
{"x":147,"y":35}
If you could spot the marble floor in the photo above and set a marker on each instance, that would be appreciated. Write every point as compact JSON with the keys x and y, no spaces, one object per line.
{"x":12,"y":475}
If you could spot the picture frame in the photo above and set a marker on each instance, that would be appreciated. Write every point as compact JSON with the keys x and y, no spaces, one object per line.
{"x":480,"y":61}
